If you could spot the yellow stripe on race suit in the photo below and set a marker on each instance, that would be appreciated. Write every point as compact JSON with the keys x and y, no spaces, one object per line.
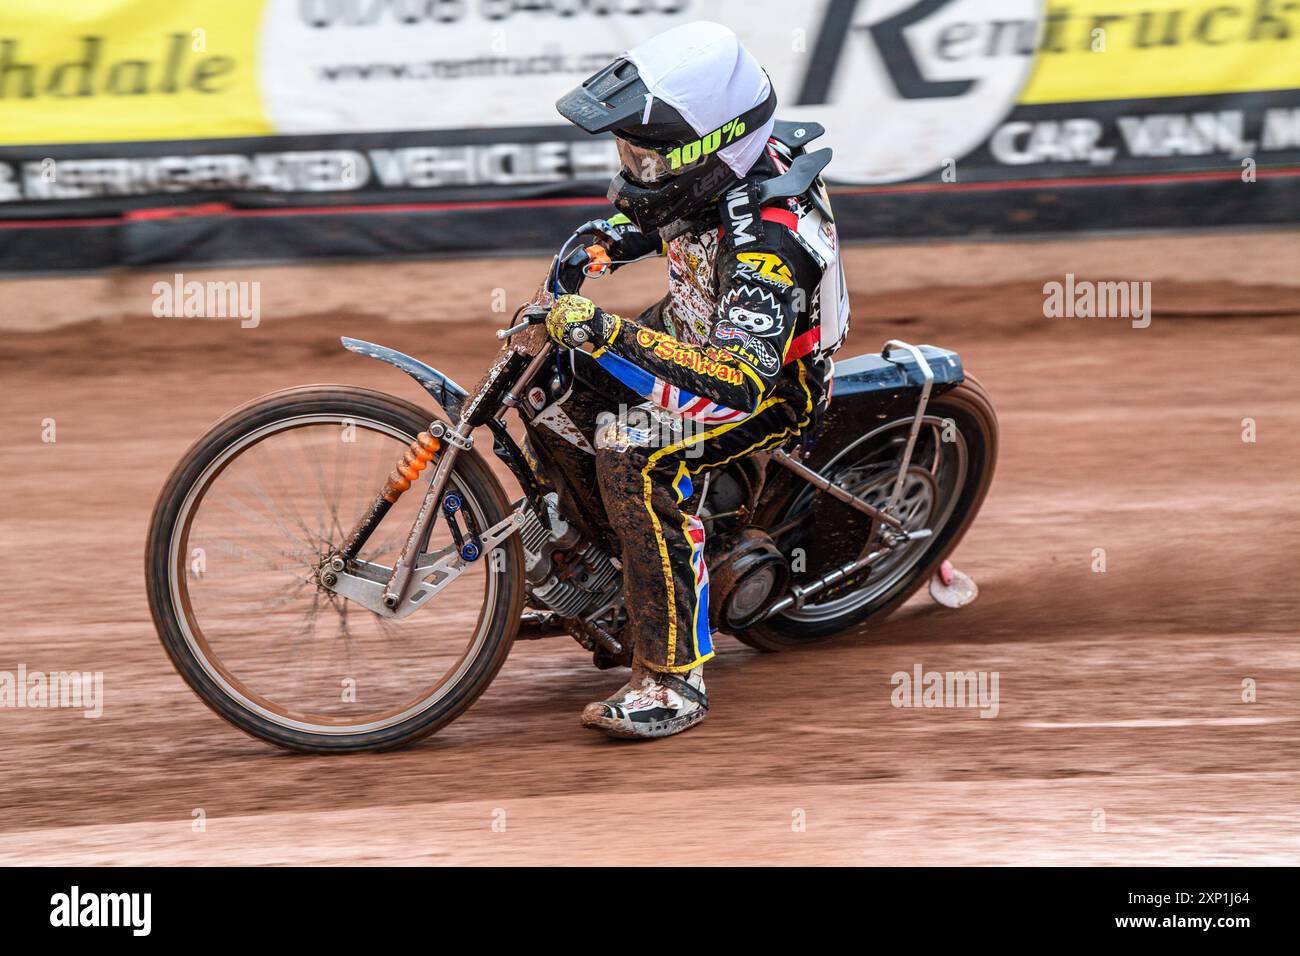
{"x":1117,"y":49}
{"x":647,"y":490}
{"x":654,"y":518}
{"x":687,"y":519}
{"x":753,"y":376}
{"x":613,"y":334}
{"x":790,"y":430}
{"x":99,"y":71}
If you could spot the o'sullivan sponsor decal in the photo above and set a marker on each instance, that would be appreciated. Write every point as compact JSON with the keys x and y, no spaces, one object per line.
{"x":710,"y":362}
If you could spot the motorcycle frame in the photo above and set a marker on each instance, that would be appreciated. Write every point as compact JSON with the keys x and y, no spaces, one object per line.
{"x":416,"y":577}
{"x":406,"y":587}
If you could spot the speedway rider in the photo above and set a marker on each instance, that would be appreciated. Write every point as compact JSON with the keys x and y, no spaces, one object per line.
{"x":736,"y":345}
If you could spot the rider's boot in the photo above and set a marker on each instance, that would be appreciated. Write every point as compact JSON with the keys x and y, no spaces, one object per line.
{"x":651,"y":704}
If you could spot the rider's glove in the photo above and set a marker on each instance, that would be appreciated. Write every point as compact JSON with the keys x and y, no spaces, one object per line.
{"x":621,"y":239}
{"x":606,"y":244}
{"x":609,"y":233}
{"x":574,"y":321}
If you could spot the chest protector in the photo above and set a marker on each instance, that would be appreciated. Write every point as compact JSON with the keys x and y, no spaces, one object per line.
{"x":801,"y":195}
{"x":804,"y":193}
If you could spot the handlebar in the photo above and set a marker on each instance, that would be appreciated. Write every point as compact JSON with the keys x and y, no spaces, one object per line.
{"x":504,"y":334}
{"x":577,"y":263}
{"x":568,"y":269}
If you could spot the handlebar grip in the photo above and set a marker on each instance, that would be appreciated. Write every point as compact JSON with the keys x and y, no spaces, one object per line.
{"x":598,"y":261}
{"x":513,"y":330}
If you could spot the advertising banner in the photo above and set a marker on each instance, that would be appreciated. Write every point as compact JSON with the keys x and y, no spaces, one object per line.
{"x":945,"y":116}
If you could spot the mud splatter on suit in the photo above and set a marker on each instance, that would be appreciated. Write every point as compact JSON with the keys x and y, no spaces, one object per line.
{"x":722,"y":365}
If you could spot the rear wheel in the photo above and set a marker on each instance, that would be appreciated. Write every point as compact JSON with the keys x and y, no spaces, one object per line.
{"x":950,"y":472}
{"x":235,"y":543}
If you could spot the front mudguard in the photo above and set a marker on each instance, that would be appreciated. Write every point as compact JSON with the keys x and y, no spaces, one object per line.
{"x":444,"y":391}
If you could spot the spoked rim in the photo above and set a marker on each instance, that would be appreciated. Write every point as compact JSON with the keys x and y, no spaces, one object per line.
{"x":933,"y":484}
{"x":311,"y":547}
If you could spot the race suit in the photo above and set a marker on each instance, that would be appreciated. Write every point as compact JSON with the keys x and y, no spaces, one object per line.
{"x":726,"y":367}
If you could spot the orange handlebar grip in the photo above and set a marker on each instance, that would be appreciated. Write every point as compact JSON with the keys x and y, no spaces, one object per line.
{"x":600,"y":261}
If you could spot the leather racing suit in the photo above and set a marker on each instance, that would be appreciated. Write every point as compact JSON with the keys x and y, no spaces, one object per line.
{"x":726,"y":366}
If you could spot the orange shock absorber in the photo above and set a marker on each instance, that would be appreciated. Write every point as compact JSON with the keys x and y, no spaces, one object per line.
{"x":413,"y":461}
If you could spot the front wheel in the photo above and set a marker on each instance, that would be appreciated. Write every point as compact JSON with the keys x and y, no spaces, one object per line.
{"x":235,"y":543}
{"x":948,"y":476}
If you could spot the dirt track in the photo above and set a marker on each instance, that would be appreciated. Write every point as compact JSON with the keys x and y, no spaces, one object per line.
{"x":1121,"y":692}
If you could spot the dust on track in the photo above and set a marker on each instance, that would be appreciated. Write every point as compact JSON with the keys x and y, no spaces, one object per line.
{"x":1121,"y":692}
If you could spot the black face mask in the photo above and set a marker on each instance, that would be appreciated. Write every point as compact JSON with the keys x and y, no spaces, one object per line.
{"x":679,"y":198}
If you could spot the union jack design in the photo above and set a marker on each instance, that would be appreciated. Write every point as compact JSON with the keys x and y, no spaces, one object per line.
{"x":693,"y":529}
{"x":700,"y":625}
{"x":725,"y":331}
{"x":667,"y":396}
{"x":692,"y":406}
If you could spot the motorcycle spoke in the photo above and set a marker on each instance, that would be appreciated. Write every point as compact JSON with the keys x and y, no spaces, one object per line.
{"x":327,"y":497}
{"x":290,"y":595}
{"x":934,"y":471}
{"x":275,"y":513}
{"x":298,"y":558}
{"x":261,"y":610}
{"x":284,"y":493}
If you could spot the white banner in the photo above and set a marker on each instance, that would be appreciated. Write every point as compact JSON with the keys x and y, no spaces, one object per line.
{"x":331,"y":66}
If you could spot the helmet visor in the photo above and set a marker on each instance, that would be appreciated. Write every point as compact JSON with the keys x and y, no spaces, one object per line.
{"x":643,"y":165}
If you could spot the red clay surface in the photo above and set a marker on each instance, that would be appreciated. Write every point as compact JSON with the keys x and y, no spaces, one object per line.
{"x":1121,"y":737}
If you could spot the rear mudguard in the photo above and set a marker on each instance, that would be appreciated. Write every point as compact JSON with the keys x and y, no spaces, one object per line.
{"x":867,"y":391}
{"x":870,"y":389}
{"x":452,"y":399}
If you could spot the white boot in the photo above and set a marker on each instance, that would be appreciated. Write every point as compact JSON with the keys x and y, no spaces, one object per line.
{"x":651,"y":704}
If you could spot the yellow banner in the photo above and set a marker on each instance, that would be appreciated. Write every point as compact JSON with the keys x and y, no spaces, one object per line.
{"x":98,"y":71}
{"x":1123,"y":49}
{"x":103,"y":71}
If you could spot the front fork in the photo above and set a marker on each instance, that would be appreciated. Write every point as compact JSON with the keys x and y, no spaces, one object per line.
{"x":457,"y":439}
{"x":490,"y":399}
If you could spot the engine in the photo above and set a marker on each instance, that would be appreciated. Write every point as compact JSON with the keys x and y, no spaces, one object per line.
{"x":564,"y":571}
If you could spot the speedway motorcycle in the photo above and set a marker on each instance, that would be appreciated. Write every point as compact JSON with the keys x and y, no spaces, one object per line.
{"x":333,"y":569}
